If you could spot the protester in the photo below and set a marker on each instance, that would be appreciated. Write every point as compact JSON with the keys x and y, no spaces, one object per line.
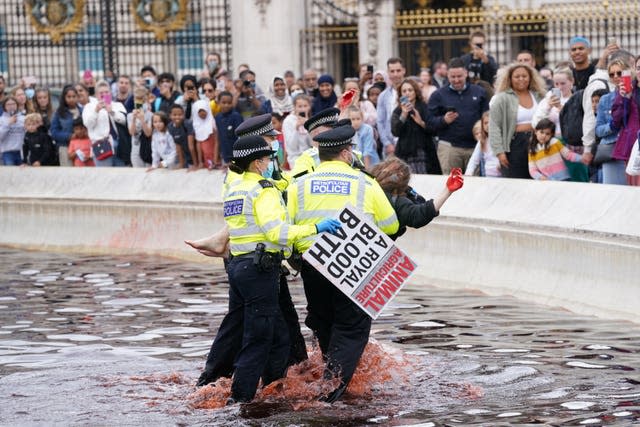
{"x":340,"y":326}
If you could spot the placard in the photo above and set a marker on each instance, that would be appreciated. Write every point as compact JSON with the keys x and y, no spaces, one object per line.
{"x":361,"y":261}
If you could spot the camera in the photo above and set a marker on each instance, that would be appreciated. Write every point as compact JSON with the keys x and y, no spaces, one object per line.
{"x":370,"y":68}
{"x":479,"y":45}
{"x":303,"y":114}
{"x":246,"y":83}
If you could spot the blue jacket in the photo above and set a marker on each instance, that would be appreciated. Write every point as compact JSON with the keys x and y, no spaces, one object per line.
{"x":604,"y":130}
{"x":62,"y":128}
{"x":470,"y":103}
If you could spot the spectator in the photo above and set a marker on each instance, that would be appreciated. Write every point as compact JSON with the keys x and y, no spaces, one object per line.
{"x":100,"y":118}
{"x":483,"y":161}
{"x":62,"y":122}
{"x":183,"y":135}
{"x":209,"y":91}
{"x":479,"y":64}
{"x":162,"y":146}
{"x":212,"y":65}
{"x":453,"y":110}
{"x":547,"y":154}
{"x":205,"y":134}
{"x":139,"y":122}
{"x":189,"y":88}
{"x":427,"y":87}
{"x":310,"y":80}
{"x":583,"y":67}
{"x":3,"y":85}
{"x":289,"y":80}
{"x":326,"y":97}
{"x":168,"y":95}
{"x":439,"y":78}
{"x":599,"y":80}
{"x":547,"y":75}
{"x":281,"y":153}
{"x":279,"y":100}
{"x":550,"y":106}
{"x":368,"y":106}
{"x":249,"y":103}
{"x":37,"y":149}
{"x":526,"y":57}
{"x":518,"y":91}
{"x":296,"y":137}
{"x":82,"y":93}
{"x":11,"y":132}
{"x":148,"y":79}
{"x":25,"y":106}
{"x":363,"y":140}
{"x":409,"y":123}
{"x":387,"y":102}
{"x":626,"y":117}
{"x":44,"y":107}
{"x":124,"y":93}
{"x":227,"y":121}
{"x":79,"y":151}
{"x":613,"y":171}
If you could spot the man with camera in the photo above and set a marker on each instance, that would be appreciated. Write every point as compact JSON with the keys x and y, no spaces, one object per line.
{"x":249,"y":101}
{"x":453,"y":110}
{"x":479,"y":64}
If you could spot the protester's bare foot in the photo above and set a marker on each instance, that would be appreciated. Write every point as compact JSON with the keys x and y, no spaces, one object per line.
{"x":215,"y":245}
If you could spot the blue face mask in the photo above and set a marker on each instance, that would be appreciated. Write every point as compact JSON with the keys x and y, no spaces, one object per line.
{"x":275,"y":145}
{"x":30,"y":92}
{"x":269,"y":172}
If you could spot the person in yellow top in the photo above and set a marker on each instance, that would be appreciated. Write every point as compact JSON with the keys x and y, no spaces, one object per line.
{"x":340,"y":326}
{"x":260,"y":236}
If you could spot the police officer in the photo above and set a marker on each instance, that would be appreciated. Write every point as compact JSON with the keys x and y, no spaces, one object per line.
{"x":227,"y":343}
{"x":341,"y":327}
{"x":260,"y":235}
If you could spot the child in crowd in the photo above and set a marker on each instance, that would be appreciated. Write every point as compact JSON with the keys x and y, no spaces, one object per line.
{"x":483,"y":157}
{"x":546,"y":154}
{"x":38,"y":148}
{"x":163,"y":149}
{"x":296,"y":137}
{"x":11,"y":132}
{"x":182,"y":132}
{"x":227,"y":121}
{"x":363,"y":140}
{"x":44,"y":107}
{"x":204,"y":126}
{"x":276,"y":121}
{"x":79,"y":151}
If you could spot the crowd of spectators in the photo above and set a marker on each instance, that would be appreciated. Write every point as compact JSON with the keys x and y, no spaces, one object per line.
{"x":576,"y":121}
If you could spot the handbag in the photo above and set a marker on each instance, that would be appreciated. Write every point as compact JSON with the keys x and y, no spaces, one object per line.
{"x":633,"y":165}
{"x":102,"y":149}
{"x":603,"y":154}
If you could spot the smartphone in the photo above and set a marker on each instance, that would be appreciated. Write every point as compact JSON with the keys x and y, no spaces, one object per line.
{"x":370,"y":68}
{"x":556,"y":92}
{"x":450,"y":110}
{"x":404,"y":100}
{"x":106,"y":98}
{"x":303,"y":114}
{"x":220,"y":85}
{"x":612,"y":40}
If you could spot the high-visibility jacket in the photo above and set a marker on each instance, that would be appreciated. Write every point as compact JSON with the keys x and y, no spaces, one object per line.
{"x":232,"y":176}
{"x":324,"y":193}
{"x":255,"y":213}
{"x":307,"y":162}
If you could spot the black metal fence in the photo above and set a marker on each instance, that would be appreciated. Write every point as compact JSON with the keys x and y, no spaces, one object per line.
{"x":110,"y":39}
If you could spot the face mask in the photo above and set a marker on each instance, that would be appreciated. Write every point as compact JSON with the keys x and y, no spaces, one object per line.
{"x":296,"y":93}
{"x":30,"y":92}
{"x":212,"y":65}
{"x":275,"y":145}
{"x":269,"y":172}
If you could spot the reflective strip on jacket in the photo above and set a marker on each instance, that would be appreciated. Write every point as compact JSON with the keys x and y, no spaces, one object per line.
{"x":324,"y":193}
{"x":258,"y":215}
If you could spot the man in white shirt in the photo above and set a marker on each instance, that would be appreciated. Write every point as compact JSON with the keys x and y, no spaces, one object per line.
{"x":387,"y":102}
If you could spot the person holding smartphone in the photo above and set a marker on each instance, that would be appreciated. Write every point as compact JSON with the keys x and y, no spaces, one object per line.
{"x":296,"y":137}
{"x":479,"y":64}
{"x":550,"y":106}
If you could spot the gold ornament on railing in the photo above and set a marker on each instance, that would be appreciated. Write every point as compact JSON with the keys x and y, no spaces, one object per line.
{"x":159,"y":16}
{"x":55,"y":17}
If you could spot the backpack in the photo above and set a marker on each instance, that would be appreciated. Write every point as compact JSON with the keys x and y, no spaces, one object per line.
{"x":145,"y":148}
{"x":571,"y":117}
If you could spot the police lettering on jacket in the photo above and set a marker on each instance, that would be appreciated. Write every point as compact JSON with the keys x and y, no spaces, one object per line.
{"x":330,"y":187}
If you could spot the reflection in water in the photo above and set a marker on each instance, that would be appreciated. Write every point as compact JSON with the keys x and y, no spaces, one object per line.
{"x":121,"y":341}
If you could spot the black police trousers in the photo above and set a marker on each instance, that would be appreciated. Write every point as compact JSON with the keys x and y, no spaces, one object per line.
{"x":340,"y":326}
{"x":265,"y":340}
{"x":228,"y":340}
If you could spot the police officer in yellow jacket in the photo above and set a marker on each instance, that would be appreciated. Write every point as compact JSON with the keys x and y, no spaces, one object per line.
{"x":340,"y":326}
{"x":260,"y":236}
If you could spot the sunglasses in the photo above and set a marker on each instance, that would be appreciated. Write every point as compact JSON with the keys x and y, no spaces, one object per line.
{"x":615,"y":74}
